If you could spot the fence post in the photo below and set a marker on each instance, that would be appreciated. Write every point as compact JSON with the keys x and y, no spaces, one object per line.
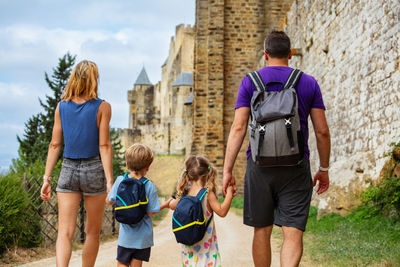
{"x":25,"y":182}
{"x":82,"y":220}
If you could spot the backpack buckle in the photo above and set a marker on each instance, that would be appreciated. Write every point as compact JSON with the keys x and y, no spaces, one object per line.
{"x":288,"y":123}
{"x":261,"y":128}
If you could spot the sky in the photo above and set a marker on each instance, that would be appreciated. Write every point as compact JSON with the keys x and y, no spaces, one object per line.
{"x":120,"y":36}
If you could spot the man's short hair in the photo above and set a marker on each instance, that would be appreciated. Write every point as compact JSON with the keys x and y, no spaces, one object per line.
{"x":138,"y":157}
{"x":277,"y":44}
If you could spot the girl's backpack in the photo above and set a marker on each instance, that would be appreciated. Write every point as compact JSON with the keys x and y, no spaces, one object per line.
{"x":188,"y":221}
{"x":131,"y":201}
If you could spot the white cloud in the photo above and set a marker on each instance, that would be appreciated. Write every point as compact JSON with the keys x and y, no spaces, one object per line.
{"x":120,"y":36}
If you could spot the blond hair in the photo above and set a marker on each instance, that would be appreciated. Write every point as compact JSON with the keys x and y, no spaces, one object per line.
{"x":197,"y":167}
{"x":138,"y":157}
{"x":83,"y":81}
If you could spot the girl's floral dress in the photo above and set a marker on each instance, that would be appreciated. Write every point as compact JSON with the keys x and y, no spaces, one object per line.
{"x":205,"y":252}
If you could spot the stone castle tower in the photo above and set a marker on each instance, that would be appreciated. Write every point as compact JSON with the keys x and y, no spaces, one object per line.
{"x":140,"y":98}
{"x":350,"y":47}
{"x":161,"y":114}
{"x":229,"y":44}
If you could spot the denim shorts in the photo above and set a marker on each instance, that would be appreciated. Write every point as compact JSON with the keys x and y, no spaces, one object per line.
{"x":84,"y":176}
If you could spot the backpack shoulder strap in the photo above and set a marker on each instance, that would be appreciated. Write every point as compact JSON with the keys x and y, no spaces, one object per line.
{"x":201,"y":194}
{"x":125,"y":175}
{"x":293,"y":79}
{"x":256,"y":80}
{"x":209,"y":220}
{"x":144,"y":180}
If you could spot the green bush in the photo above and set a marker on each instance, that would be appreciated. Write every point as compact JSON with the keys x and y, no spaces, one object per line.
{"x":17,"y":225}
{"x":384,"y":198}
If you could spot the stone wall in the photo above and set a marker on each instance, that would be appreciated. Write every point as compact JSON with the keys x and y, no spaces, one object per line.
{"x":229,"y":42}
{"x":352,"y":49}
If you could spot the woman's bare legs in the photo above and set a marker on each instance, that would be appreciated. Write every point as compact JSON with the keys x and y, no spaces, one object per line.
{"x":94,"y":210}
{"x":68,"y":205}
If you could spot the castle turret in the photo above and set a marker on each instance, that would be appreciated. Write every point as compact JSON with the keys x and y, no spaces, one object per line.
{"x":140,"y":100}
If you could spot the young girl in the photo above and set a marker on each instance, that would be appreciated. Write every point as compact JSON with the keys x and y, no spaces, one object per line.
{"x":199,"y":174}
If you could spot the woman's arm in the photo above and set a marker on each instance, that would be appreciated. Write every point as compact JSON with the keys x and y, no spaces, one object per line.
{"x":105,"y":147}
{"x":221,"y":209}
{"x":52,"y":154}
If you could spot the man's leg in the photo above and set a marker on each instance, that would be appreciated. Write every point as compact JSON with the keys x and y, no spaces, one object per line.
{"x":262,"y":246}
{"x":292,"y":247}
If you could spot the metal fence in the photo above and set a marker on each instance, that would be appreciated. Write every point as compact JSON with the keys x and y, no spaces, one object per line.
{"x":47,"y":213}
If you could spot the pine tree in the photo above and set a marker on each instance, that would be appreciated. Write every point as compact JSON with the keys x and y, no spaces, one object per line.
{"x":57,"y":84}
{"x":118,"y":163}
{"x":34,"y":144}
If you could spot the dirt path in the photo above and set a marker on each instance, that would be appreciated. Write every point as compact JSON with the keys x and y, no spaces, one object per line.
{"x":234,"y":241}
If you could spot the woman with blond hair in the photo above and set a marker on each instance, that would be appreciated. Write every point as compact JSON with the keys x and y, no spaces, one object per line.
{"x":83,"y":120}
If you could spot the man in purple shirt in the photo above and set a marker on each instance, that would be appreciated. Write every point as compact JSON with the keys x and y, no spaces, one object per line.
{"x":279,"y":195}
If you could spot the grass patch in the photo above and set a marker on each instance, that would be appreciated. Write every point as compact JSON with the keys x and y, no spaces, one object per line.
{"x":353,"y":240}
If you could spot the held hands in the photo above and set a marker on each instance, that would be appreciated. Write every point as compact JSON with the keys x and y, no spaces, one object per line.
{"x":166,"y":204}
{"x":231,"y":191}
{"x":228,"y":181}
{"x":323,"y":178}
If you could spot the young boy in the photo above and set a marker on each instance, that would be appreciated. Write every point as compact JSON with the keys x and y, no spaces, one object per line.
{"x":136,"y":240}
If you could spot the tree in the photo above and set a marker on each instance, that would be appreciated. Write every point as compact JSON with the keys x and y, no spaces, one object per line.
{"x":34,"y":143}
{"x":57,"y":84}
{"x":118,"y":163}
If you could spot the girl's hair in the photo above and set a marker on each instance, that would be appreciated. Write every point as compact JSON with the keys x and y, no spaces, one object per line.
{"x":197,"y":167}
{"x":83,"y":81}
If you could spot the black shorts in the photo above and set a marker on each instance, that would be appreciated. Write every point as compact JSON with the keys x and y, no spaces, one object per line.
{"x":126,"y":255}
{"x":277,"y":195}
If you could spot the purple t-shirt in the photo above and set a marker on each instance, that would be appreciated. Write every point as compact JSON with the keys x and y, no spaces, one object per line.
{"x":308,"y":95}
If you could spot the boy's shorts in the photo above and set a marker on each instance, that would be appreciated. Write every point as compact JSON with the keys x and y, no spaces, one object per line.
{"x":126,"y":255}
{"x":277,"y":195}
{"x":84,"y":176}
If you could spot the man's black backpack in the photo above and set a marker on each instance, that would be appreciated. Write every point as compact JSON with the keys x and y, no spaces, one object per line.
{"x":131,"y":200}
{"x":276,"y":138}
{"x":188,"y":220}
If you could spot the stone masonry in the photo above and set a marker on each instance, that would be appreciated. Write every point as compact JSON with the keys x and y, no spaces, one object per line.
{"x":352,"y":48}
{"x":160,"y":115}
{"x":229,"y":41}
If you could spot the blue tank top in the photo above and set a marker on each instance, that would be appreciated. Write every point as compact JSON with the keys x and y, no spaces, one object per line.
{"x":79,"y":125}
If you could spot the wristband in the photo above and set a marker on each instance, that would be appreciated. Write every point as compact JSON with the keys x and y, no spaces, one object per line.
{"x":47,"y":178}
{"x":322,"y":169}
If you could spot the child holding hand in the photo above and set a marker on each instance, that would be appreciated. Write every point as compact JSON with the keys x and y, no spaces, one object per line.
{"x":198,"y":174}
{"x":135,"y":240}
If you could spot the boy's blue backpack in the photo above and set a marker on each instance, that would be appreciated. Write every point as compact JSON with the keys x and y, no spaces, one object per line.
{"x":131,"y":201}
{"x":188,"y":221}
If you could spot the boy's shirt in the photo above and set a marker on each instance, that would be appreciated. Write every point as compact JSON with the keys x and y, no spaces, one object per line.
{"x":138,"y":235}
